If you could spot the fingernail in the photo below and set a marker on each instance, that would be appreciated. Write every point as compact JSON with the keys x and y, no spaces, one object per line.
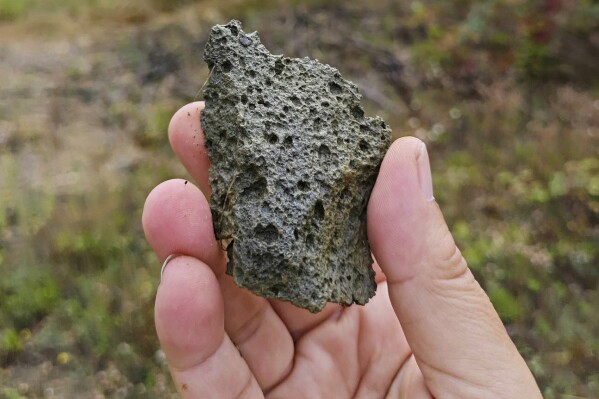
{"x":424,"y":174}
{"x":166,"y":261}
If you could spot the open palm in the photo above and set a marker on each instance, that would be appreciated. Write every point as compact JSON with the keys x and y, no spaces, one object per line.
{"x":222,"y":341}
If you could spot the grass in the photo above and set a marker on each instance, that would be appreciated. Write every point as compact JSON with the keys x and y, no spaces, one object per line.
{"x":511,"y":122}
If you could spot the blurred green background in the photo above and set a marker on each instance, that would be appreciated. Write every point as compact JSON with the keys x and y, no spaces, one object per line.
{"x":504,"y":92}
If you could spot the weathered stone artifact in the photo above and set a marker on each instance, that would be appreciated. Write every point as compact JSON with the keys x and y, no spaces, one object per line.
{"x":293,"y":162}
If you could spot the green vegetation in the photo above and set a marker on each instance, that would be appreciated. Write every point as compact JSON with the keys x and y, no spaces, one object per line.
{"x":505,"y":93}
{"x":11,"y":10}
{"x":128,"y":10}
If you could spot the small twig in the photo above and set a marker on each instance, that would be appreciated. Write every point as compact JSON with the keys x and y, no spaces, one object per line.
{"x":222,"y":215}
{"x":197,"y":97}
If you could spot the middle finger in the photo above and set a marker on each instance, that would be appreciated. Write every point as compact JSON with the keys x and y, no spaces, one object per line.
{"x":177,"y":219}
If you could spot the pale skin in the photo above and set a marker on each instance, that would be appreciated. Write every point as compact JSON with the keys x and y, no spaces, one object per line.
{"x":430,"y":331}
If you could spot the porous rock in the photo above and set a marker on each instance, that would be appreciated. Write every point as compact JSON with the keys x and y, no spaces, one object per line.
{"x":293,"y":162}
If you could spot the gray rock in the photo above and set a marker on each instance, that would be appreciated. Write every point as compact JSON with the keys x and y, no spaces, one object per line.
{"x":293,"y":162}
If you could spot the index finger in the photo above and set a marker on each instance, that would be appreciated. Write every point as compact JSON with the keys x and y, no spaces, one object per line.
{"x":187,"y":140}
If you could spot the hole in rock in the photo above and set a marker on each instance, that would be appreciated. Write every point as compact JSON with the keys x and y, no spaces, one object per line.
{"x":233,"y":30}
{"x":324,"y":152}
{"x":303,"y":185}
{"x":232,"y":141}
{"x":279,"y":66}
{"x":227,"y":66}
{"x":319,"y":210}
{"x":334,"y":88}
{"x":256,"y":189}
{"x":268,"y":233}
{"x":357,"y":111}
{"x":318,"y":123}
{"x":263,"y":102}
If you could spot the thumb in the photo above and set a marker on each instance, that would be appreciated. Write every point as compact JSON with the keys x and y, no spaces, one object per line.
{"x":457,"y":338}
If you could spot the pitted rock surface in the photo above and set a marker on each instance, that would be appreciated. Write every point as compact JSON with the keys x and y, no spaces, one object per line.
{"x":293,"y":162}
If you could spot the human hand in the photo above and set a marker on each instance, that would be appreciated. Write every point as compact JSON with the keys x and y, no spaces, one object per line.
{"x":430,"y":331}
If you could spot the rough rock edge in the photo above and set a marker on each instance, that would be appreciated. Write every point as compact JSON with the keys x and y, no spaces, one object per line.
{"x":286,"y":241}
